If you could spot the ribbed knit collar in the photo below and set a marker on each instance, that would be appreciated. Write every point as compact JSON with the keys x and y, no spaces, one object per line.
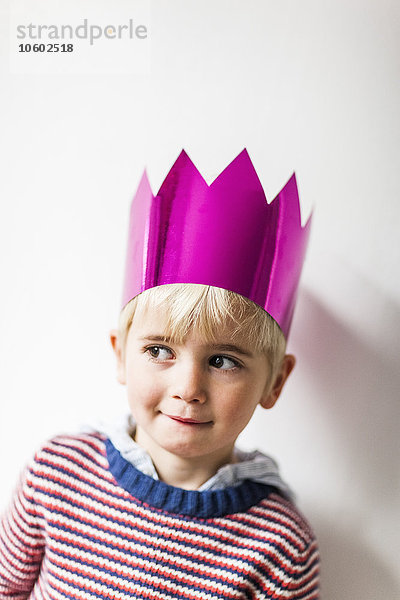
{"x":207,"y":504}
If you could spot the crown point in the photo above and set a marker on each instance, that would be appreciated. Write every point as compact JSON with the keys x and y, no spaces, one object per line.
{"x":183,"y":154}
{"x":240,"y":174}
{"x":144,"y":188}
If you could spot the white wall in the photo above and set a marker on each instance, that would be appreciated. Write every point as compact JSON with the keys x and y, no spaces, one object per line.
{"x":311,"y":86}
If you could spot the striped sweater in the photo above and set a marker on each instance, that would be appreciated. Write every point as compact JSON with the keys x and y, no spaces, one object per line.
{"x":85,"y":524}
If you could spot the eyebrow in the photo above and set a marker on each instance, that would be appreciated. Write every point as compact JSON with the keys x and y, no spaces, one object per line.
{"x":231,"y":348}
{"x":215,"y":347}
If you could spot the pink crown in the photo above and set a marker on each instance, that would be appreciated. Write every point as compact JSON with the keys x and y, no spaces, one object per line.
{"x":224,"y":234}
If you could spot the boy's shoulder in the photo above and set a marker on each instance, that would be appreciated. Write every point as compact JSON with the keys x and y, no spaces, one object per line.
{"x":81,"y":450}
{"x":279,"y":516}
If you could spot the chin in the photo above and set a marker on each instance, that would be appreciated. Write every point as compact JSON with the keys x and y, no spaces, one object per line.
{"x":183,"y":450}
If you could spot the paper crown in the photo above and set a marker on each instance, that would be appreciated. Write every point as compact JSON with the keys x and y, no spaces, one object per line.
{"x":224,"y":234}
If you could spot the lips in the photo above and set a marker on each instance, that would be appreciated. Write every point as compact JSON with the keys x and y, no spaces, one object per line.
{"x":187,"y":421}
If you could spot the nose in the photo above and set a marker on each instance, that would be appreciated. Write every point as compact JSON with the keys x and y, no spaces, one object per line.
{"x":189,"y":382}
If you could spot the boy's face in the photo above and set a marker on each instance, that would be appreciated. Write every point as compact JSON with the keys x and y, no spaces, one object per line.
{"x":192,"y":399}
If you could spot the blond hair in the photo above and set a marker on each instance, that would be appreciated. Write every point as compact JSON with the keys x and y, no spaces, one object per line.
{"x":206,"y":309}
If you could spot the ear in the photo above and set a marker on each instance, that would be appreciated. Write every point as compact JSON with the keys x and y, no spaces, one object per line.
{"x":274,"y":389}
{"x":117,"y":347}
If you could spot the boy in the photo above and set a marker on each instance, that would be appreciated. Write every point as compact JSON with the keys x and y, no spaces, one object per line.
{"x":169,"y":508}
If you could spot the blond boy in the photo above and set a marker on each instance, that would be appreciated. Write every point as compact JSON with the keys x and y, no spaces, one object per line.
{"x":165,"y":506}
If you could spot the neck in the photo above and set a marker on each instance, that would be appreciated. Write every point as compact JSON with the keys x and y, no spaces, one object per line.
{"x":188,"y":473}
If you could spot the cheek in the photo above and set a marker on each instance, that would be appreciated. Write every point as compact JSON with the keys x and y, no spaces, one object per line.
{"x":241,"y":415}
{"x":144,"y":390}
{"x":240,"y":403}
{"x":233,"y":404}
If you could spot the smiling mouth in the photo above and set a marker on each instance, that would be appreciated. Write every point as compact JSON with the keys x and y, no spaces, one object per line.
{"x":188,"y":421}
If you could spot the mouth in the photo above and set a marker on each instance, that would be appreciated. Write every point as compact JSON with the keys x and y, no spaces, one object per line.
{"x":186,"y":421}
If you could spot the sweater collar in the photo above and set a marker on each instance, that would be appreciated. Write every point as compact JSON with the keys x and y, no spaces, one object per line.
{"x":193,"y":503}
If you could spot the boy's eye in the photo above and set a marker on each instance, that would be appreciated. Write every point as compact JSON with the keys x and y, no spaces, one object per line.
{"x":223,"y":362}
{"x":159,"y":352}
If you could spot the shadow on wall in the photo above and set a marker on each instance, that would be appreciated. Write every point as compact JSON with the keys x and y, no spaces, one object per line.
{"x":350,"y":570}
{"x":359,"y":380}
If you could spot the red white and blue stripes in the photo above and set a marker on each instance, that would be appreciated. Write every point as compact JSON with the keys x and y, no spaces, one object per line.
{"x":85,"y":524}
